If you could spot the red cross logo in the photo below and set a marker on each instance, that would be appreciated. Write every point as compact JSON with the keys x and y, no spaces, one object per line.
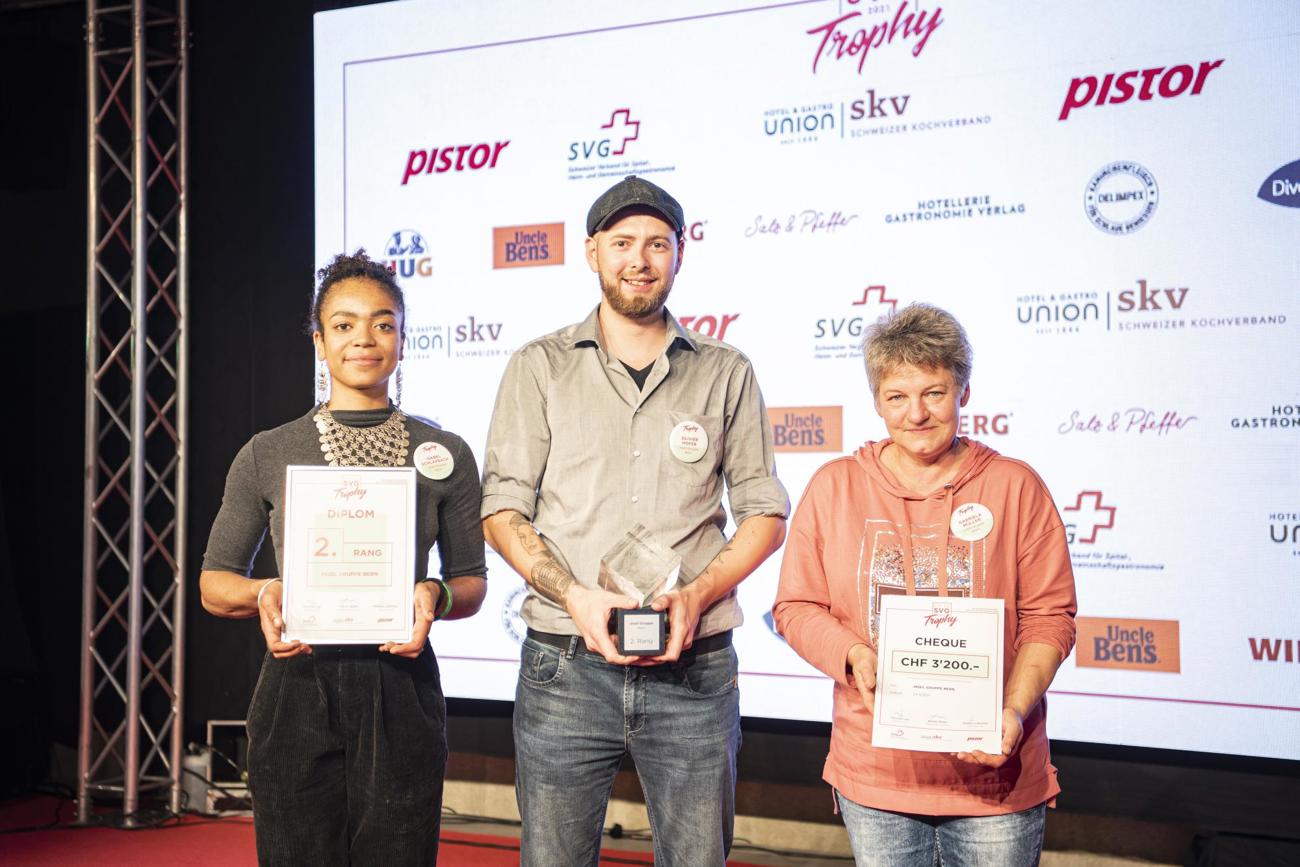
{"x":1091,"y":515}
{"x":882,"y":300}
{"x":624,"y":124}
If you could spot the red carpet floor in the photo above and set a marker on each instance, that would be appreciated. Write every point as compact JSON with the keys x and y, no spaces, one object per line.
{"x":194,"y":841}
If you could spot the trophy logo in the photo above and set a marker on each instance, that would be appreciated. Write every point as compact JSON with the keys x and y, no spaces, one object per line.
{"x":940,"y":614}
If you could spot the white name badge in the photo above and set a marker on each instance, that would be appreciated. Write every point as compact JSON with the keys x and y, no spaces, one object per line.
{"x":349,"y":554}
{"x":434,"y":460}
{"x":688,"y":442}
{"x":971,"y":522}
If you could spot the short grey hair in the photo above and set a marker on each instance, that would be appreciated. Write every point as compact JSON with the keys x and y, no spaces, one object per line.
{"x":921,"y":335}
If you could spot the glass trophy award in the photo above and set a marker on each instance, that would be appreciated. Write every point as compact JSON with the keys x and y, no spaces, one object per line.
{"x":641,"y":567}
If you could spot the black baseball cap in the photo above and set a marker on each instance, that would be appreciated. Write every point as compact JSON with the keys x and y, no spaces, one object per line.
{"x":633,"y":191}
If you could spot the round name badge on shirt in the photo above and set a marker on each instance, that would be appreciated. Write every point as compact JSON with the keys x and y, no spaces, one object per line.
{"x":688,"y":442}
{"x":971,"y":522}
{"x":434,"y":461}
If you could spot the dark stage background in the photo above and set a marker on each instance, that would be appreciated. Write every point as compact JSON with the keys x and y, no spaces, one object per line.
{"x":251,"y":200}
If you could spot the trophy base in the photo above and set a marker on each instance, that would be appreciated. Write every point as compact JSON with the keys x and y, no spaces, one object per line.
{"x":641,"y":631}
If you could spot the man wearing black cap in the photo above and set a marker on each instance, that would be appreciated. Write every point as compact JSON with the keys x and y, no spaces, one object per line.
{"x":627,"y":426}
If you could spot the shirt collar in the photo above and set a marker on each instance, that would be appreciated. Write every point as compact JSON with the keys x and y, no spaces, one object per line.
{"x":587,"y":333}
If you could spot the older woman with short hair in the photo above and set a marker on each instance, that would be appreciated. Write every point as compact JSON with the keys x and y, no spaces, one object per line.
{"x":877,"y":522}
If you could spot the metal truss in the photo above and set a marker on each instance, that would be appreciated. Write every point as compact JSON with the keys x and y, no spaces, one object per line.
{"x":133,"y":604}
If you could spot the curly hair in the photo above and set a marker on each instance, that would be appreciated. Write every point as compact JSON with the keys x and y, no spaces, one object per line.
{"x":357,"y":266}
{"x":921,"y":335}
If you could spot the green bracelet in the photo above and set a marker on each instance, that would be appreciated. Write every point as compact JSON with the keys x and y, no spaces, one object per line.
{"x":447,"y":596}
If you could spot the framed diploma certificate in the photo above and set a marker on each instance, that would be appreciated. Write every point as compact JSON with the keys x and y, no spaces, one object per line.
{"x":349,"y":554}
{"x":939,"y":674}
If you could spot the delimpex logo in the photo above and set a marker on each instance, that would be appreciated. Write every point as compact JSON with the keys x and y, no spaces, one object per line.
{"x":1283,"y":186}
{"x":1141,"y":645}
{"x":511,"y":620}
{"x":807,"y":428}
{"x":528,"y":246}
{"x":1115,"y":88}
{"x":1121,"y":197}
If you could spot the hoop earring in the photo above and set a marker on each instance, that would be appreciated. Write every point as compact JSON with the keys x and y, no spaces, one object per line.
{"x":322,"y":383}
{"x":397,"y":402}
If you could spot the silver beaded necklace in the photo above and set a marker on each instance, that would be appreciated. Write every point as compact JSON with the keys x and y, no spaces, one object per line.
{"x":383,"y":445}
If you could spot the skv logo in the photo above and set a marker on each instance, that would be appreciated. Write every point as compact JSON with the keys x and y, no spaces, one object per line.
{"x":874,"y":107}
{"x":1088,"y":516}
{"x":407,"y":254}
{"x":620,"y":130}
{"x":478,"y":332}
{"x":462,"y":339}
{"x":1151,"y":299}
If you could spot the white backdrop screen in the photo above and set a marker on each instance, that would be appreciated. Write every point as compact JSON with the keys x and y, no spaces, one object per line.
{"x":1107,"y":195}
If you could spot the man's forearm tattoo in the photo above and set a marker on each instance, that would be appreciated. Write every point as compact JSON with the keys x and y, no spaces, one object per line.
{"x":526,"y":534}
{"x":547,"y":576}
{"x":551,"y":579}
{"x":720,"y":559}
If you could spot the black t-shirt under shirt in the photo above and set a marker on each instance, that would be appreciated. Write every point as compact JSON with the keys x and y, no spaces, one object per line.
{"x":638,"y":376}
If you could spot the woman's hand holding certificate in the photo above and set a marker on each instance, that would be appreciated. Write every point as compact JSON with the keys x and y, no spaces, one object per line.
{"x":269,"y":598}
{"x":862,"y":668}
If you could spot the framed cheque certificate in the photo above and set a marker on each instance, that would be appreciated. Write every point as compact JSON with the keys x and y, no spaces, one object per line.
{"x":939,"y":674}
{"x":349,"y":554}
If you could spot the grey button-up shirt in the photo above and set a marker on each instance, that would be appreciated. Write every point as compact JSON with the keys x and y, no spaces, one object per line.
{"x":577,"y":449}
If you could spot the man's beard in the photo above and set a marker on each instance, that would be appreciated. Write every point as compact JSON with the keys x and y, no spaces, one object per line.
{"x":636,"y":306}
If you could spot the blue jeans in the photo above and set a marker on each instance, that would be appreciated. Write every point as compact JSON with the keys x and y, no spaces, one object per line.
{"x":883,"y":839}
{"x":576,"y":716}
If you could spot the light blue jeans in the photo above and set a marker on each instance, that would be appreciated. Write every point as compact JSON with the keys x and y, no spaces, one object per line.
{"x":883,"y":839}
{"x":576,"y":716}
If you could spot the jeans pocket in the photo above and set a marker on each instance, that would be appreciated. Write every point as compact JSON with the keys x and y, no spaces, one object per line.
{"x":710,"y":674}
{"x":540,"y":664}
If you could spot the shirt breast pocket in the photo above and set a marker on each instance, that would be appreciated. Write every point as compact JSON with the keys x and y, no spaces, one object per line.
{"x":693,"y":451}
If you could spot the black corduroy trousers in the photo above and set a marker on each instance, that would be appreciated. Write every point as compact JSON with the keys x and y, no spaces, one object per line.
{"x":346,"y":757}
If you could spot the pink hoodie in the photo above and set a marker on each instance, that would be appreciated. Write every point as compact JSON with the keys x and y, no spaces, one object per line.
{"x":847,"y":546}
